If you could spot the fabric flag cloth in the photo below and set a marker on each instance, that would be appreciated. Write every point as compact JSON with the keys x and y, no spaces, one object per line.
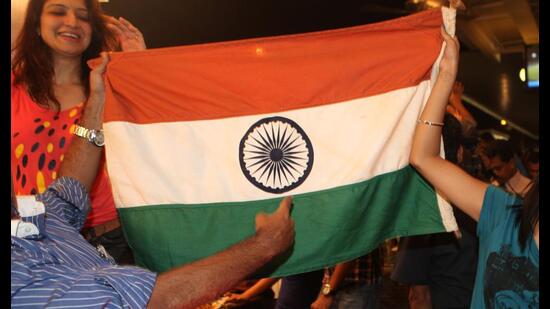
{"x":199,"y":139}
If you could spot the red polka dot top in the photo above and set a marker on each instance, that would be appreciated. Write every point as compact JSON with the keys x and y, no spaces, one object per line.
{"x":39,"y":139}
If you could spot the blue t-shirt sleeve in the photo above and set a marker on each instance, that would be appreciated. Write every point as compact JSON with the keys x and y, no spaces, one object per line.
{"x":496,"y":207}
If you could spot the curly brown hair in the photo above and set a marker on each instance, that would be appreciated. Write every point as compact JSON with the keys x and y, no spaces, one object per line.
{"x":32,"y":64}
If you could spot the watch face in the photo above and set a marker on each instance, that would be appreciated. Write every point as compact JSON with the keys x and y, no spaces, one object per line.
{"x":326,"y":289}
{"x":99,"y":139}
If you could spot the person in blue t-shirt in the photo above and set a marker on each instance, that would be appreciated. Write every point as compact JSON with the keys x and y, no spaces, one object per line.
{"x":508,"y":228}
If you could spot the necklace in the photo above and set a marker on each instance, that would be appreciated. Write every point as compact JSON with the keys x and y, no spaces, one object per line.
{"x":509,"y":187}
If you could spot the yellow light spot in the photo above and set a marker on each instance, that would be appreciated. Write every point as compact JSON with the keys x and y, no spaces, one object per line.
{"x":522,"y":74}
{"x":73,"y":112}
{"x":259,"y":51}
{"x":46,"y":124}
{"x":54,"y":175}
{"x":61,"y":158}
{"x":49,"y":147}
{"x":503,"y":122}
{"x":433,"y":4}
{"x":72,"y":128}
{"x":19,"y":150}
{"x":40,"y":182}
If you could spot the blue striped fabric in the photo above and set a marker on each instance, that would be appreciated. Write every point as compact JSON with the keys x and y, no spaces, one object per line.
{"x":61,"y":270}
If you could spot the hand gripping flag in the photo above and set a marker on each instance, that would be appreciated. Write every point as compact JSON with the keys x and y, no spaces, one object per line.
{"x":199,"y":139}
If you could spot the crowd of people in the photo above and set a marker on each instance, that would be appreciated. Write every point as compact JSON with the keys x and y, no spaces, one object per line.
{"x":68,"y":251}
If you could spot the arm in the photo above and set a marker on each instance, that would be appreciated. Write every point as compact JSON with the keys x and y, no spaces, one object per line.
{"x":420,"y":297}
{"x":255,"y":290}
{"x":199,"y":282}
{"x":340,"y":271}
{"x":457,"y":109}
{"x":82,"y":158}
{"x":461,"y":189}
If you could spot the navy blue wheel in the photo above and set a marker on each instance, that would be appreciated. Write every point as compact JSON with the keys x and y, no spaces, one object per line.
{"x":276,"y":155}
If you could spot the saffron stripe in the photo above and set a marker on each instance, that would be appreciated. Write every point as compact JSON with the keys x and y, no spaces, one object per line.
{"x":270,"y":75}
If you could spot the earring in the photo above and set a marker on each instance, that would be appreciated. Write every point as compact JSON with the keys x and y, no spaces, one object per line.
{"x":38,"y":31}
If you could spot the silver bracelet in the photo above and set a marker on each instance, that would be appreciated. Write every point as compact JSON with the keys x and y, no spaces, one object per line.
{"x":430,"y":123}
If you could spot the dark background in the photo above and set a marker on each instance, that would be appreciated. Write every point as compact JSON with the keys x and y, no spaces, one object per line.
{"x":493,"y":84}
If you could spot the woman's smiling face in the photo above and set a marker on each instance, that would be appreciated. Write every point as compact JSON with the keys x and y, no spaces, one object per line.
{"x":65,"y":27}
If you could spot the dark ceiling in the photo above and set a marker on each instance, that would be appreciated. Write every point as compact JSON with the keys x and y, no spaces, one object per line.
{"x":493,"y":35}
{"x":176,"y":22}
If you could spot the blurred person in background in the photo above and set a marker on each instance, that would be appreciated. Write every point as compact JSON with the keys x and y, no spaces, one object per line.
{"x":502,"y":164}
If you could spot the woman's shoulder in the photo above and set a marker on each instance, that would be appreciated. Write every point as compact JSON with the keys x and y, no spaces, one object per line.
{"x":17,"y":89}
{"x":499,"y":207}
{"x":499,"y":197}
{"x":22,"y":102}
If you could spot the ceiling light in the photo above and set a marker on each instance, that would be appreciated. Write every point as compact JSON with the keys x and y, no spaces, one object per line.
{"x":522,"y":74}
{"x":425,"y":4}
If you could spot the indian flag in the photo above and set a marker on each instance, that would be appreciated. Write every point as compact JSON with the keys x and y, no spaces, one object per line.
{"x":199,"y":139}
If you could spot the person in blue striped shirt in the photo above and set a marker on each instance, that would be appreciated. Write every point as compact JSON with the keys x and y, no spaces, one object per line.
{"x":53,"y":266}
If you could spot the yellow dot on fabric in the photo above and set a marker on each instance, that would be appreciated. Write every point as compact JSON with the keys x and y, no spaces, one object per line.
{"x":72,"y":128}
{"x":61,"y":158}
{"x":40,"y":182}
{"x":49,"y":148}
{"x":54,"y":175}
{"x":73,"y":112}
{"x":19,"y":150}
{"x":46,"y":124}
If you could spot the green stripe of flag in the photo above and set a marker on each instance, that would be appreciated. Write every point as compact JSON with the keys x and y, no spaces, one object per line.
{"x":332,"y":226}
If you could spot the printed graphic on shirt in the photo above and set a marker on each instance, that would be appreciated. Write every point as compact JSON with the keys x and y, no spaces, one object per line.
{"x":510,"y":281}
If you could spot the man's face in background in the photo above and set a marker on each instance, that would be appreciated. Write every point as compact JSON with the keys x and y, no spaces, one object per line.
{"x":532,"y":169}
{"x":502,"y":171}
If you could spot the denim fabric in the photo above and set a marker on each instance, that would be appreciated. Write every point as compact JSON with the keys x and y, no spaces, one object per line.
{"x":299,"y":291}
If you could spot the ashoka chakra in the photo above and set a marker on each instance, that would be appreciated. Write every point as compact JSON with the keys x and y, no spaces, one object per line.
{"x":276,"y":155}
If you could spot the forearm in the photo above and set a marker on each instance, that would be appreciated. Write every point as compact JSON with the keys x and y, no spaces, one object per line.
{"x":260,"y":287}
{"x":340,"y":272}
{"x":199,"y":282}
{"x":420,"y":297}
{"x":427,"y":139}
{"x":82,"y":158}
{"x":426,"y":159}
{"x":324,"y":301}
{"x":464,"y":113}
{"x":459,"y":111}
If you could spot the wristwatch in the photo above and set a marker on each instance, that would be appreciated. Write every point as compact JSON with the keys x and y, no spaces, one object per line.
{"x":326,"y":289}
{"x":93,"y":136}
